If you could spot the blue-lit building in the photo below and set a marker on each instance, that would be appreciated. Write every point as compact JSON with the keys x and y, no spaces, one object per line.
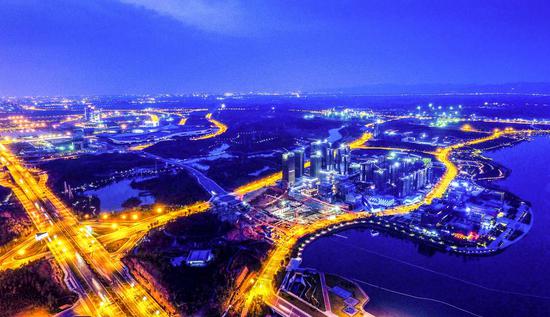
{"x":289,"y":170}
{"x":316,"y":165}
{"x":299,"y":161}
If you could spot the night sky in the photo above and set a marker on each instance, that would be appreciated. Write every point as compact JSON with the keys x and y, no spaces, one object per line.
{"x":54,"y":47}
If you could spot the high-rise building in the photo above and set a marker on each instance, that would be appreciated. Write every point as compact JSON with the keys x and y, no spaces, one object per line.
{"x":346,"y":161}
{"x":337,"y":160}
{"x":324,"y":149}
{"x":346,"y":148}
{"x":329,"y":158}
{"x":395,"y":171}
{"x":334,"y":159}
{"x":88,"y":113}
{"x":343,"y":159}
{"x":326,"y":154}
{"x":376,"y":131}
{"x":316,"y":164}
{"x":368,"y":170}
{"x":315,"y":147}
{"x":97,"y":116}
{"x":338,"y":152}
{"x":380,"y":179}
{"x":78,"y":139}
{"x":405,"y":185}
{"x":429,"y":171}
{"x":299,"y":162}
{"x":407,"y":163}
{"x":363,"y":173}
{"x":421,"y":178}
{"x":91,"y":114}
{"x":289,"y":172}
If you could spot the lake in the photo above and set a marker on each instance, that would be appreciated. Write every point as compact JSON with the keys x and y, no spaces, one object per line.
{"x":114,"y":194}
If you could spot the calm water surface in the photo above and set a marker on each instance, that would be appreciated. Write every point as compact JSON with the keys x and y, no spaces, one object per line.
{"x":113,"y":195}
{"x":405,"y":279}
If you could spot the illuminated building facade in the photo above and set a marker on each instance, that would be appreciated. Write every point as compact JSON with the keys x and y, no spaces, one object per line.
{"x":289,"y":169}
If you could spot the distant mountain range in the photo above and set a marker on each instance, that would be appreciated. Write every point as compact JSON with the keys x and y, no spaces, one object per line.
{"x":393,"y":89}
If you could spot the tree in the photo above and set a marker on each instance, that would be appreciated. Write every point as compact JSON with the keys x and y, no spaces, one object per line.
{"x":131,"y":202}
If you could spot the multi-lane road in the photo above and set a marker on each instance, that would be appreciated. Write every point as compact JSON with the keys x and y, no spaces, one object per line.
{"x":220,"y":128}
{"x":104,"y":284}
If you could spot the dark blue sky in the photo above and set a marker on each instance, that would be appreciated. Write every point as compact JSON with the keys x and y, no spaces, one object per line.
{"x":179,"y":46}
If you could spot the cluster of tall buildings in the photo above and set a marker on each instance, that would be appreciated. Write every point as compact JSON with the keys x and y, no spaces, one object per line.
{"x":330,"y":159}
{"x":333,"y":176}
{"x":293,"y":166}
{"x":403,"y":174}
{"x":91,"y":114}
{"x":323,"y":158}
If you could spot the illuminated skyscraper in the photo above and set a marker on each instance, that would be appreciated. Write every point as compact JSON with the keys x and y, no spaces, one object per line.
{"x":334,"y":160}
{"x":342,"y":159}
{"x":346,"y":161}
{"x":316,"y":164}
{"x":429,"y":170}
{"x":326,"y":154}
{"x":324,"y":149}
{"x":376,"y":131}
{"x":337,"y":159}
{"x":395,"y":169}
{"x":363,"y":174}
{"x":315,"y":147}
{"x":367,"y":170}
{"x":421,"y":178}
{"x":406,"y":185}
{"x":299,"y":162}
{"x":380,"y":178}
{"x":91,"y":114}
{"x":88,"y":113}
{"x":289,"y":172}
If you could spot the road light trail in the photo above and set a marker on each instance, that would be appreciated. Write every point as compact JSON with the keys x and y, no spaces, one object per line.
{"x":80,"y":252}
{"x":358,"y":143}
{"x":134,"y":298}
{"x":134,"y":232}
{"x":24,"y":252}
{"x":77,"y":275}
{"x":221,"y":129}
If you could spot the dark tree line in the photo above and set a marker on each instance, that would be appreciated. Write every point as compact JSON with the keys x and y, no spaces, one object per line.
{"x":32,"y":285}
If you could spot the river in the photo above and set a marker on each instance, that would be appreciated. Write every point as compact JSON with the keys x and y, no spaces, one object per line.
{"x":404,"y":278}
{"x":334,"y":135}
